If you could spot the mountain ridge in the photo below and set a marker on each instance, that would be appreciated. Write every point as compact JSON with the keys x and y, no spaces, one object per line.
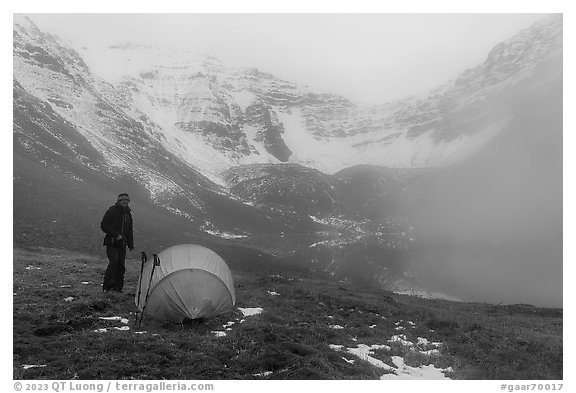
{"x":213,"y":116}
{"x":309,"y":128}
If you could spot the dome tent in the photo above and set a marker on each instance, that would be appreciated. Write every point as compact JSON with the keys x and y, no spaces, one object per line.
{"x":185,"y":282}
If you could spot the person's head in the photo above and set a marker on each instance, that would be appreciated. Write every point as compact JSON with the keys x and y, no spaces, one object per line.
{"x":123,"y":199}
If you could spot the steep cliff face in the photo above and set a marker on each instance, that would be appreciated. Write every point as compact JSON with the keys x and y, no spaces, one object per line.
{"x":269,"y":130}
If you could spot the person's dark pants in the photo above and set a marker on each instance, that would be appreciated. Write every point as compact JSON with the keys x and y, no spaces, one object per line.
{"x":114,"y":276}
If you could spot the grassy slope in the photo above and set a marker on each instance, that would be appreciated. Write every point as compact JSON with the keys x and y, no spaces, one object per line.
{"x":290,"y":338}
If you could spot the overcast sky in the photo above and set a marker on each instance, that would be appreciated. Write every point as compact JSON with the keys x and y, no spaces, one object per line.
{"x":364,"y":57}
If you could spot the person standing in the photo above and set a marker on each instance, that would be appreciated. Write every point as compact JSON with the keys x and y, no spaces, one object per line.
{"x":117,"y":224}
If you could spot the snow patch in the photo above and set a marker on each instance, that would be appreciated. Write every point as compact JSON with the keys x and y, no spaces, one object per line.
{"x":243,"y":98}
{"x":247,"y":312}
{"x":117,"y":319}
{"x":263,"y":374}
{"x":427,"y":294}
{"x":224,"y":235}
{"x":423,"y":342}
{"x":402,"y":371}
{"x":364,"y":351}
{"x":431,"y":352}
{"x":104,"y":330}
{"x":28,"y":366}
{"x":227,"y":327}
{"x":401,"y":339}
{"x":317,"y":220}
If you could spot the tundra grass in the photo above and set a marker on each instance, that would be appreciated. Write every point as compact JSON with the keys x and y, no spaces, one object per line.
{"x":57,"y":328}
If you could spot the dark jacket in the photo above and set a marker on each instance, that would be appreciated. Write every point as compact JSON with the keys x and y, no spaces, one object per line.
{"x":118,"y":221}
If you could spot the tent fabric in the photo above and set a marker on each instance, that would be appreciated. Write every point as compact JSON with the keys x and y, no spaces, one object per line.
{"x":190,"y":282}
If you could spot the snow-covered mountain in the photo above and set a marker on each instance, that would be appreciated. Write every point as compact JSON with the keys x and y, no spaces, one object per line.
{"x":215,"y":116}
{"x":239,"y":154}
{"x":82,"y":128}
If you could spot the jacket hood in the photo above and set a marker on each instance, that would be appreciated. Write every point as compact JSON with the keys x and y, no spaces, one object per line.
{"x":121,"y":208}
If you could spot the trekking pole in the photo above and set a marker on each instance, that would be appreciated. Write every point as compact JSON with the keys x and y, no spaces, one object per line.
{"x":156,"y":263}
{"x":144,"y":260}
